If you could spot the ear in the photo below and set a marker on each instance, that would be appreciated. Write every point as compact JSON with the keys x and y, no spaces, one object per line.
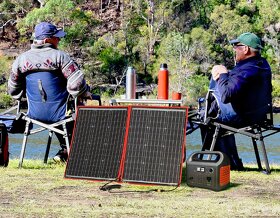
{"x":247,"y":50}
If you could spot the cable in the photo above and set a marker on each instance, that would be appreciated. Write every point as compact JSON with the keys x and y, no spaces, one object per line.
{"x":148,"y":191}
{"x":107,"y":187}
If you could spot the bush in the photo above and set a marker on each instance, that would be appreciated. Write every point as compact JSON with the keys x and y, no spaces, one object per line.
{"x":275,"y":88}
{"x":6,"y":100}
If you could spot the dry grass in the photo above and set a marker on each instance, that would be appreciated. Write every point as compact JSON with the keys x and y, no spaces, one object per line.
{"x":41,"y":191}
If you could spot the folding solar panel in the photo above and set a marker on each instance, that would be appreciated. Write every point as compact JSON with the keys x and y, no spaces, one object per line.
{"x":132,"y":144}
{"x":97,"y":143}
{"x":155,"y":144}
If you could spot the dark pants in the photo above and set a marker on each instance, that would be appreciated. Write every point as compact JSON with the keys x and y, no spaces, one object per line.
{"x":225,"y":143}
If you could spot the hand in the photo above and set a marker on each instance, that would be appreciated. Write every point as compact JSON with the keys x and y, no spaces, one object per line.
{"x":217,"y":70}
{"x":85,"y":96}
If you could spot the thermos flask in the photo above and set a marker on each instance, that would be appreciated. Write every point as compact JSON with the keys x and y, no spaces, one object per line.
{"x":130,"y":83}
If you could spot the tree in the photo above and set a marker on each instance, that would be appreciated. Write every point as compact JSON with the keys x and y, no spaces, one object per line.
{"x":108,"y":62}
{"x":227,"y":24}
{"x":155,"y":14}
{"x":272,"y":38}
{"x":186,"y":54}
{"x":52,"y":11}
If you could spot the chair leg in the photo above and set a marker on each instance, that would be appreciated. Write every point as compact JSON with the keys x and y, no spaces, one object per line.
{"x":66,"y":138}
{"x":265,"y":158}
{"x":215,"y":137}
{"x":23,"y":147}
{"x":257,"y":154}
{"x":213,"y":143}
{"x":48,"y":147}
{"x":266,"y":163}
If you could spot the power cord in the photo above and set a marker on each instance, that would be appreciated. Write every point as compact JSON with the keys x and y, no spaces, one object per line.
{"x":147,"y":191}
{"x":108,"y":187}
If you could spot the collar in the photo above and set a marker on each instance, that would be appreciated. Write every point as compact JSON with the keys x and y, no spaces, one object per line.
{"x":40,"y":46}
{"x":253,"y":58}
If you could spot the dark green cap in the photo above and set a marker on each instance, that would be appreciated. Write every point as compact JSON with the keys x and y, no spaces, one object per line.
{"x":249,"y":39}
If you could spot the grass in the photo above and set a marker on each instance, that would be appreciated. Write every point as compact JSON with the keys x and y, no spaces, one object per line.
{"x":40,"y":190}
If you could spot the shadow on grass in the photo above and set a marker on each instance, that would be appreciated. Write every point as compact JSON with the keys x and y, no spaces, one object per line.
{"x":255,"y":169}
{"x":35,"y":164}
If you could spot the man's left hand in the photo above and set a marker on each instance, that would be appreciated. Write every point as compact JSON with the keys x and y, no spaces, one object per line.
{"x":217,"y":70}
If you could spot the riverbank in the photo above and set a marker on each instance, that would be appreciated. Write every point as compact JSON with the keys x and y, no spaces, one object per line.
{"x":40,"y":190}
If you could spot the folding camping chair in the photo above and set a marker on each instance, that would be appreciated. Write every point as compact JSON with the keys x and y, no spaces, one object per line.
{"x":44,"y":97}
{"x":257,"y":132}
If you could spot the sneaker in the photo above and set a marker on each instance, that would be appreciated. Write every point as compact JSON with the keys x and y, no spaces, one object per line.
{"x":61,"y":156}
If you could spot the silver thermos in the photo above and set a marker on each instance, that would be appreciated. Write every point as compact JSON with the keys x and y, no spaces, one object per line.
{"x":130,"y":83}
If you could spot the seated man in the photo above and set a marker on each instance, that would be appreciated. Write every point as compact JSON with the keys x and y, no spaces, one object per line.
{"x":243,"y":95}
{"x":48,"y":76}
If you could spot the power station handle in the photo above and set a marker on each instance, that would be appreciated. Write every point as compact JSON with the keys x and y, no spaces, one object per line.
{"x":198,"y":156}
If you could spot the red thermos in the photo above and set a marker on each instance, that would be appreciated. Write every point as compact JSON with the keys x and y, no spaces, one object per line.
{"x":163,"y":82}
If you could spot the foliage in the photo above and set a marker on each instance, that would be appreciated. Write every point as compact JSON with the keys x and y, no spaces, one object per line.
{"x":190,"y":36}
{"x":6,"y":100}
{"x":5,"y":66}
{"x":51,"y":12}
{"x":185,"y":55}
{"x":275,"y":88}
{"x":227,"y":24}
{"x":197,"y":87}
{"x":108,"y":60}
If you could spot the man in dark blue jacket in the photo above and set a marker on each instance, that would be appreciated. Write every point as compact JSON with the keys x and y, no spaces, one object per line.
{"x":246,"y":89}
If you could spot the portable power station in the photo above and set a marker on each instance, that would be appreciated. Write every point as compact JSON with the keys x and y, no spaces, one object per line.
{"x":208,"y":169}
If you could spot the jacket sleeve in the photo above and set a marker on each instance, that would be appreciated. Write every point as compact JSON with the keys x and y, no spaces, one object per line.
{"x":231,"y":85}
{"x":16,"y":82}
{"x":76,"y":83}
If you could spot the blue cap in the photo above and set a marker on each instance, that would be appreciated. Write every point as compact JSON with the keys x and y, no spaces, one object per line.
{"x":45,"y":30}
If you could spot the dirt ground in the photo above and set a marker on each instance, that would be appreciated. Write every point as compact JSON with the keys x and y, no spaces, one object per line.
{"x":43,"y":192}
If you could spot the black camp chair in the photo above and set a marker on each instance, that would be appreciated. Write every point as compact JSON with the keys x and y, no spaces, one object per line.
{"x":257,"y":132}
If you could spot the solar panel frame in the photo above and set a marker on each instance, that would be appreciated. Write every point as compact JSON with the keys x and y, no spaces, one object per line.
{"x":152,"y":154}
{"x":97,"y":146}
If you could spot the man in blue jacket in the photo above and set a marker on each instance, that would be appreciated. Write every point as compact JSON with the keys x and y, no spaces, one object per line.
{"x":47,"y":75}
{"x":246,"y":90}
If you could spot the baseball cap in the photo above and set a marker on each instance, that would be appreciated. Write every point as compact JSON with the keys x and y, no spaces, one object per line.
{"x":249,"y":39}
{"x":44,"y":30}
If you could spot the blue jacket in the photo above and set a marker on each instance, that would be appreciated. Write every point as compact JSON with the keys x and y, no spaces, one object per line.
{"x":248,"y":88}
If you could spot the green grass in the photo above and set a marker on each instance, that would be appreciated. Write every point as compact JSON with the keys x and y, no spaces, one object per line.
{"x":40,"y":190}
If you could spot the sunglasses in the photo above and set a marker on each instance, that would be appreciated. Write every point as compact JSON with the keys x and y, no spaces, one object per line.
{"x":237,"y":45}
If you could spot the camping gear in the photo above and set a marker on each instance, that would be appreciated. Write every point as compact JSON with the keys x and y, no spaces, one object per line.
{"x":163,"y":82}
{"x":130,"y":83}
{"x":139,"y":144}
{"x":4,"y":146}
{"x":13,"y":123}
{"x":208,"y":169}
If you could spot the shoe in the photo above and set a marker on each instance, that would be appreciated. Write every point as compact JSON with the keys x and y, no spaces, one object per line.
{"x":61,"y":156}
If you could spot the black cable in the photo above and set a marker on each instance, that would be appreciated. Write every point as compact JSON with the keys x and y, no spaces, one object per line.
{"x":147,"y":191}
{"x":104,"y":187}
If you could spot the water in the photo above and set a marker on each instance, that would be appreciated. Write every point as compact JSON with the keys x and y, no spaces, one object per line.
{"x":36,"y":145}
{"x":244,"y":145}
